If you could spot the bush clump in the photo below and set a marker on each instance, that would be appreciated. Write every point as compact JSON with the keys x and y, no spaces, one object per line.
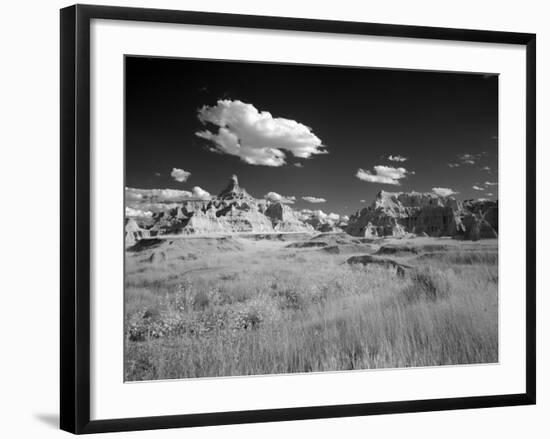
{"x":427,"y":283}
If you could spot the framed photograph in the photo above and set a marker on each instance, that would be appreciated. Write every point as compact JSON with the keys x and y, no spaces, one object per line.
{"x":267,"y":218}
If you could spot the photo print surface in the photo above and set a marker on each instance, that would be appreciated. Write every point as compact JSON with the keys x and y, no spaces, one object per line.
{"x":286,"y":218}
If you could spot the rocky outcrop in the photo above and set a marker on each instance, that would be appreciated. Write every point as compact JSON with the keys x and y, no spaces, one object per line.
{"x":424,"y":214}
{"x":285,"y":219}
{"x":134,"y":233}
{"x":486,"y":209}
{"x":246,"y":218}
{"x":397,"y":214}
{"x":476,"y":227}
{"x":233,"y":191}
{"x":234,"y":210}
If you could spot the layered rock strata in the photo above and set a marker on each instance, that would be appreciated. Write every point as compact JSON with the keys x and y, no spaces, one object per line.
{"x":425,"y":214}
{"x":233,"y":210}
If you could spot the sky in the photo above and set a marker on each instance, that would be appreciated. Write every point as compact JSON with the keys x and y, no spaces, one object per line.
{"x":319,"y":137}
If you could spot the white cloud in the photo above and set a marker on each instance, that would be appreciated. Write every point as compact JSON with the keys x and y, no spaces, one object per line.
{"x":132,"y":213}
{"x":256,"y":136}
{"x":486,"y":168}
{"x":308,"y":213}
{"x":443,"y":191}
{"x":133,"y":194}
{"x":320,"y":214}
{"x":274,"y":197}
{"x":314,"y":200}
{"x":298,"y":165}
{"x":154,"y":207}
{"x":157,"y":195}
{"x":200,"y":193}
{"x":382,"y":175}
{"x":362,"y":201}
{"x":491,"y":183}
{"x":164,"y":195}
{"x":330,"y":218}
{"x":477,"y":188}
{"x":397,"y":158}
{"x":490,"y":194}
{"x":468,"y":159}
{"x":180,"y":175}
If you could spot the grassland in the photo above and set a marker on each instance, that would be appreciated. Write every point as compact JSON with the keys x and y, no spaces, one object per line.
{"x":205,"y":307}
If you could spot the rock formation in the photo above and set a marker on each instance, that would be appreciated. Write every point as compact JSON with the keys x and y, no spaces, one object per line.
{"x":324,"y":223}
{"x":233,"y":191}
{"x":234,"y":210}
{"x":133,"y":232}
{"x":424,"y":214}
{"x":285,"y":219}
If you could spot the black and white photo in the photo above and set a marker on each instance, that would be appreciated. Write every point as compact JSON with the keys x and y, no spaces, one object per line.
{"x":293,"y":218}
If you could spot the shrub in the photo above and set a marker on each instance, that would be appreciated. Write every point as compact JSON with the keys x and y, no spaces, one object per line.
{"x":289,"y":298}
{"x":201,"y":300}
{"x":427,"y":284}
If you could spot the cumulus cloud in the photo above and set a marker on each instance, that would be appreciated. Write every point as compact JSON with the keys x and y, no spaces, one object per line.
{"x":397,"y":158}
{"x":256,"y":137}
{"x":477,"y":188}
{"x":314,"y":200}
{"x":157,"y":195}
{"x":154,"y":207}
{"x":490,"y":194}
{"x":134,"y":213}
{"x":443,"y":191}
{"x":153,"y":196}
{"x":382,"y":175}
{"x":491,"y":183}
{"x":319,"y":215}
{"x":180,"y":175}
{"x":274,"y":197}
{"x":133,"y":194}
{"x":308,"y":214}
{"x":298,"y":165}
{"x":468,"y":159}
{"x":486,"y":168}
{"x":362,"y":201}
{"x":453,"y":165}
{"x":200,"y":193}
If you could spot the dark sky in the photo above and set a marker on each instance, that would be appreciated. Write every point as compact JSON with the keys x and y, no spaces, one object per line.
{"x":361,"y":116}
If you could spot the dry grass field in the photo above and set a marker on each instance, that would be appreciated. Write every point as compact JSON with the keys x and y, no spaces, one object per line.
{"x":241,"y":305}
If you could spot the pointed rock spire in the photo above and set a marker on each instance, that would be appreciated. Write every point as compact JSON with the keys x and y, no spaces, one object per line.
{"x":233,"y":190}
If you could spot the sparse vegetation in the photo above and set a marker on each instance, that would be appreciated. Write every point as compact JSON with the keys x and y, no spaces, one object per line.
{"x":256,"y":307}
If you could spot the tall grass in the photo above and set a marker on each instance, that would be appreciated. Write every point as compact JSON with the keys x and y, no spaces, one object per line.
{"x":306,"y":311}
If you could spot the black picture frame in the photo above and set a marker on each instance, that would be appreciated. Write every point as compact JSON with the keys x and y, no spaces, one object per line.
{"x":75,"y":218}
